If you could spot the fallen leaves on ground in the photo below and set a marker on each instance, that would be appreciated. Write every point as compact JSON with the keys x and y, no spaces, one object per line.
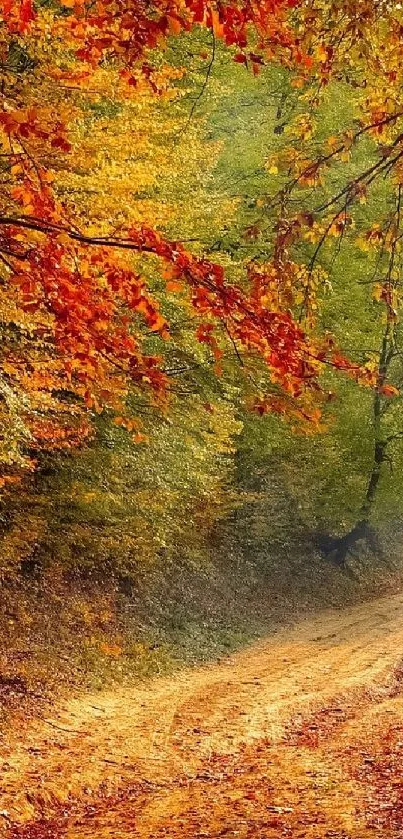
{"x":329,"y":769}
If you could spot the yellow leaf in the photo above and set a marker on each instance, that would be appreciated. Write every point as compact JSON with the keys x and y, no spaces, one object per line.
{"x":63,"y":239}
{"x":321,"y":53}
{"x":363,"y":244}
{"x":113,"y":650}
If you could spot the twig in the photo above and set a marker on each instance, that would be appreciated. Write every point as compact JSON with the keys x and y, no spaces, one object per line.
{"x":60,"y":728}
{"x":202,"y":89}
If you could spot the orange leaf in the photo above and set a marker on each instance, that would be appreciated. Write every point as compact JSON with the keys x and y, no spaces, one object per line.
{"x":389,"y":390}
{"x":113,"y":650}
{"x":172,"y":285}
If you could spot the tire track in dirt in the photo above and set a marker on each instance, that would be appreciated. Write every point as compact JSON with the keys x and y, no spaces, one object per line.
{"x":269,"y":743}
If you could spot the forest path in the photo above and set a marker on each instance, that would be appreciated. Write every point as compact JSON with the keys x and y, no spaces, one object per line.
{"x":300,"y":735}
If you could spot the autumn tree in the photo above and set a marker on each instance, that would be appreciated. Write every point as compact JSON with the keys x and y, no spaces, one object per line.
{"x":336,"y":190}
{"x":76,"y":292}
{"x":82,"y":264}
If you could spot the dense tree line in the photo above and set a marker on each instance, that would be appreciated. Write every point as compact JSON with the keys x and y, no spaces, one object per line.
{"x":200,"y":296}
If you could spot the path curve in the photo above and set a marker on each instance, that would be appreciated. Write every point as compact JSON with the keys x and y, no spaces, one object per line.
{"x":272,"y":742}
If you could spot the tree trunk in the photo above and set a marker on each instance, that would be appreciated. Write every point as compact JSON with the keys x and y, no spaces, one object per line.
{"x":337,"y":549}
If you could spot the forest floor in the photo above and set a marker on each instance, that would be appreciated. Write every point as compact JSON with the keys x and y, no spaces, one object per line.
{"x":299,"y":735}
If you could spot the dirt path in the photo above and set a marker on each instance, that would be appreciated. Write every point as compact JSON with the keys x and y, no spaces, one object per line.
{"x":297,"y":736}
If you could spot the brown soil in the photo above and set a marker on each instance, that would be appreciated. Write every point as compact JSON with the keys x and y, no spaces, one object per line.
{"x":298,"y":736}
